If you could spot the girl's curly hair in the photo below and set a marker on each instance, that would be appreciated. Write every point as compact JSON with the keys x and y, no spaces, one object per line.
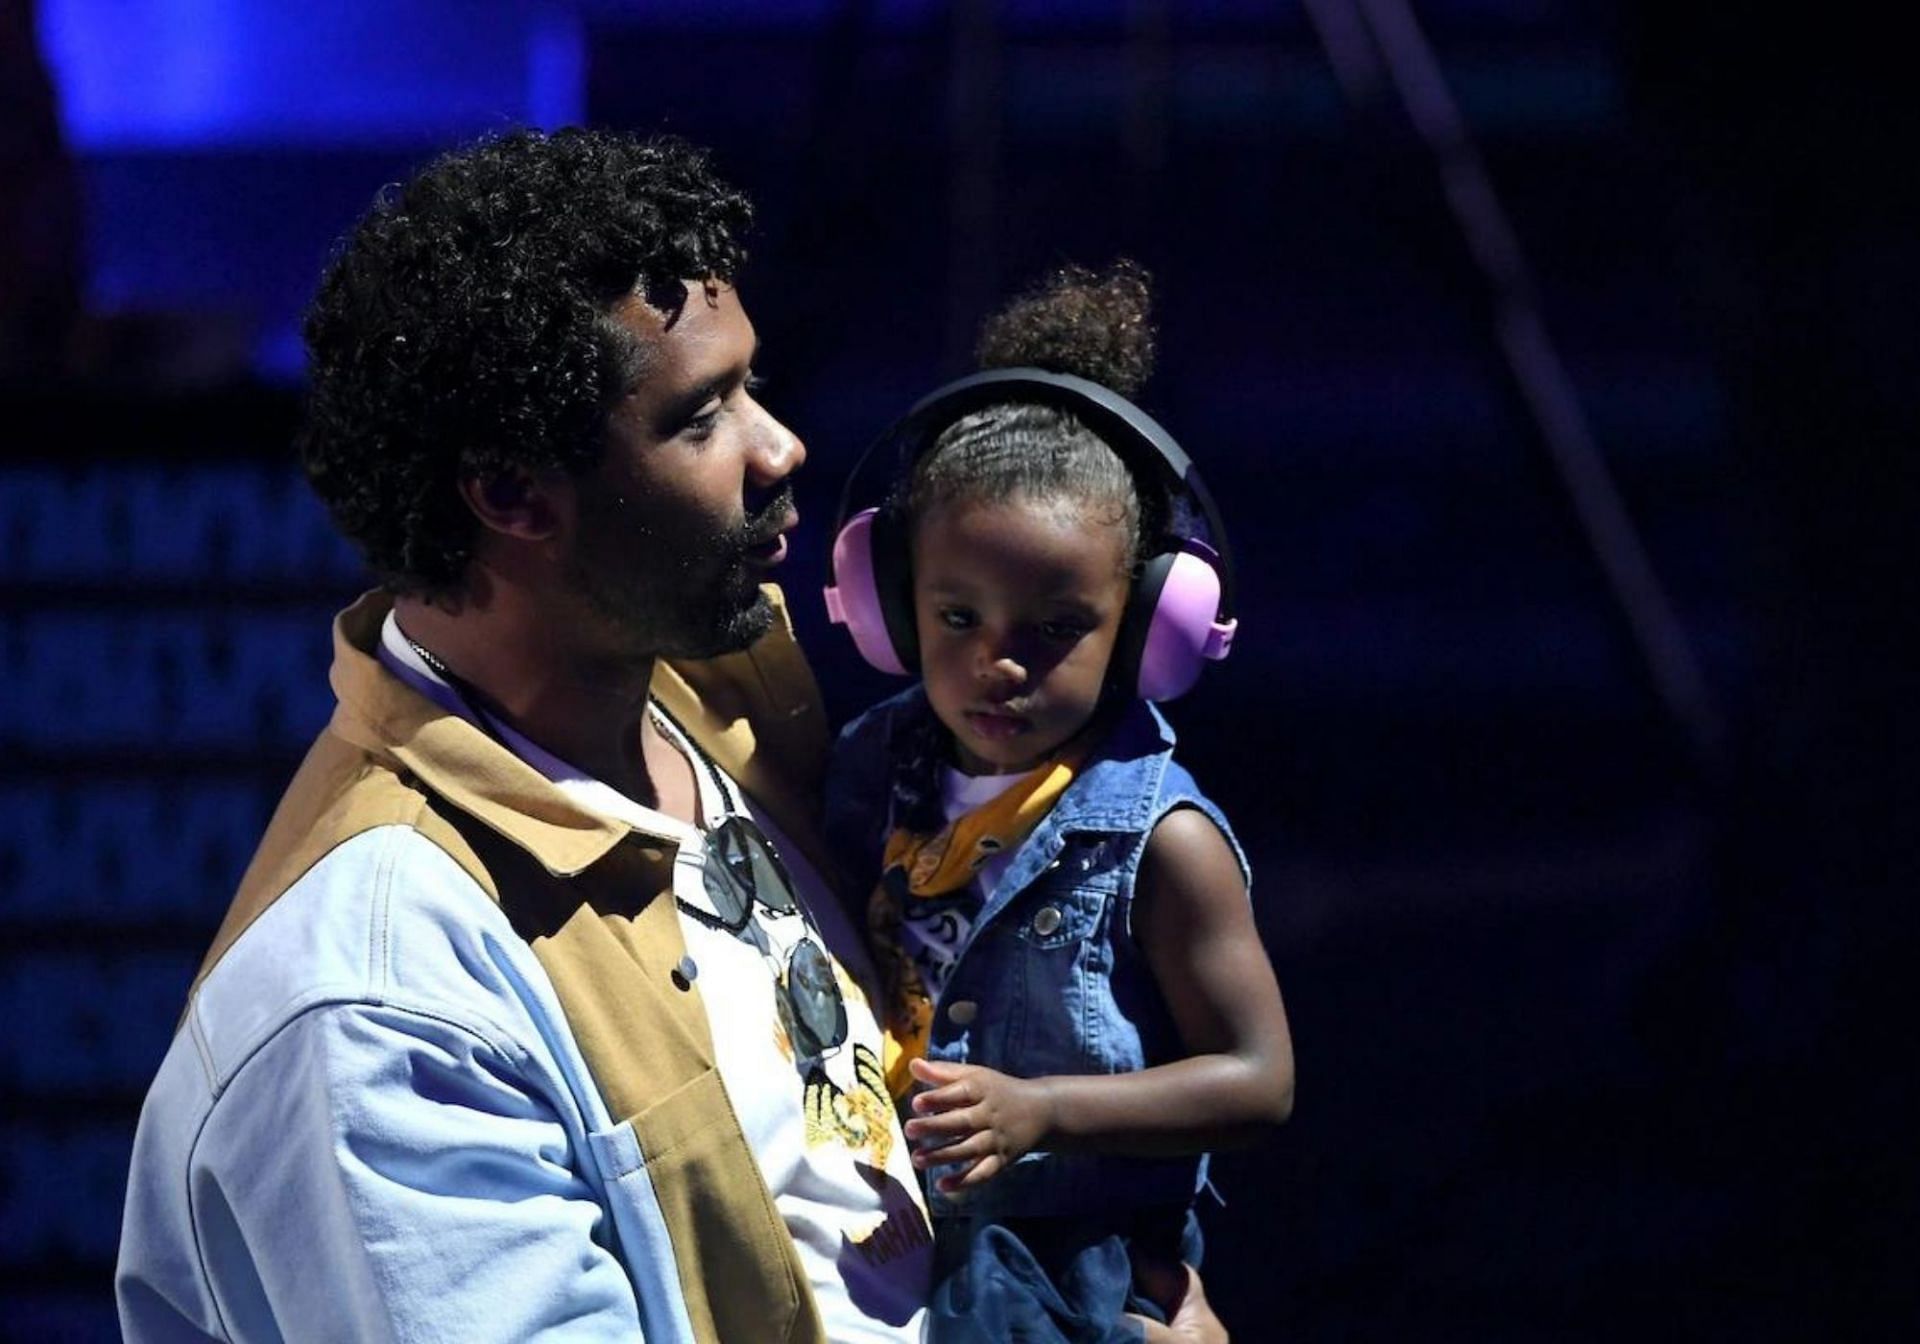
{"x":1095,"y":326}
{"x":463,"y":327}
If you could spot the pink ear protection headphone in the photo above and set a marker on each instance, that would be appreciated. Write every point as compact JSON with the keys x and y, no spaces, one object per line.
{"x":1180,"y":612}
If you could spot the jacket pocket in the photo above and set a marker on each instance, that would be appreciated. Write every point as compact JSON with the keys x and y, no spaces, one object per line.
{"x":695,"y":1182}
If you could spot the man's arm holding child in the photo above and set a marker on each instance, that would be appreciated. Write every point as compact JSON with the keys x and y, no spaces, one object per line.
{"x":1193,"y":921}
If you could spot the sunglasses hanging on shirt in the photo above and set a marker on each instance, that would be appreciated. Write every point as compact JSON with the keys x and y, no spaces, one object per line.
{"x":743,"y":869}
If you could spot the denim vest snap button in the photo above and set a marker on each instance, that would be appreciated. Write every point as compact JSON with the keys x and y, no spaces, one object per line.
{"x":1046,"y":920}
{"x":962,"y":1012}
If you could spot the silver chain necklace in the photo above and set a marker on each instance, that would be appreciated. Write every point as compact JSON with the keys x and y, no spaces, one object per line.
{"x":676,"y":734}
{"x":427,"y":657}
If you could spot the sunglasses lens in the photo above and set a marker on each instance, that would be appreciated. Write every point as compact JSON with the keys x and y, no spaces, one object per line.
{"x":770,"y":880}
{"x":743,"y":867}
{"x":728,"y":875}
{"x":750,"y":858}
{"x":817,"y":1016}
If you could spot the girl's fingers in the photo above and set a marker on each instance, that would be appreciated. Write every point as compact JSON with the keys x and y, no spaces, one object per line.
{"x":940,"y":1099}
{"x":934,"y":1070}
{"x":947,"y":1122}
{"x":962,"y":1150}
{"x":943,"y":1098}
{"x":982,"y":1171}
{"x":975,"y":1173}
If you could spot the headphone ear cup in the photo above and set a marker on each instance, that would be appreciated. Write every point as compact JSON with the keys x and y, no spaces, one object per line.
{"x":855,"y":600}
{"x":893,"y":586}
{"x":1170,"y":624}
{"x":872,"y":591}
{"x":1123,"y":673}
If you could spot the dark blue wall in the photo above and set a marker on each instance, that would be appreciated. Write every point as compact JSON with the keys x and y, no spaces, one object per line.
{"x":1577,"y":1027}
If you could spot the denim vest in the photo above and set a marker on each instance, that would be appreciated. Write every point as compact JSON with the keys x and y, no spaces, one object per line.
{"x":1051,"y":980}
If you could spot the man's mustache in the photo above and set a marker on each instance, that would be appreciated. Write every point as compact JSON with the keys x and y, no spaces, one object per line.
{"x":767,"y":524}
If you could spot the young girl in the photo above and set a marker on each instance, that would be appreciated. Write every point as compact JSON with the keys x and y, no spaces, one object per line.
{"x":1077,"y":1001}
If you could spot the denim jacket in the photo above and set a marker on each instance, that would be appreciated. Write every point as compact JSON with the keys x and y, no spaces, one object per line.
{"x":1051,"y":981}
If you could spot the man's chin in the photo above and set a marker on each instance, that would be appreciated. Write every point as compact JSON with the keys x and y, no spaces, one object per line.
{"x":740,"y":629}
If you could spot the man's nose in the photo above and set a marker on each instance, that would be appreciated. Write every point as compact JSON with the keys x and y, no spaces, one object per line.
{"x":777,"y":453}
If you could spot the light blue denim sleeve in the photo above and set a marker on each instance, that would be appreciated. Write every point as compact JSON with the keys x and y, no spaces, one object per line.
{"x":370,"y":1126}
{"x":419,"y":1189}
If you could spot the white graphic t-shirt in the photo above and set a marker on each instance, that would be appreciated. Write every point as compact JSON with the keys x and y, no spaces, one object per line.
{"x":822,"y":1128}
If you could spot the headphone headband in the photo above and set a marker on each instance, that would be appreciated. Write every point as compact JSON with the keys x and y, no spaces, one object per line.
{"x":1137,"y":437}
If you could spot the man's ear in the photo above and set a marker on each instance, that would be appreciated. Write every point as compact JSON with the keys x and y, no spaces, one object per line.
{"x":516,"y":502}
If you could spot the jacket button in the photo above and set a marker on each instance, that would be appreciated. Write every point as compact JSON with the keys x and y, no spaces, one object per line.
{"x":686,"y":971}
{"x":962,"y":1011}
{"x":1046,"y":920}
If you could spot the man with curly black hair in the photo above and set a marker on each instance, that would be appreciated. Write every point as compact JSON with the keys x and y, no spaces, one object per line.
{"x":489,"y":322}
{"x":524,"y":1021}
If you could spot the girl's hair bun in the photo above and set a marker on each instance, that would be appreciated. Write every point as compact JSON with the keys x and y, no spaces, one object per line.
{"x":1094,"y":326}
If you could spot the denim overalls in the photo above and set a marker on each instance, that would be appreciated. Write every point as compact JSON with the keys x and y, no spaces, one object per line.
{"x":1051,"y":982}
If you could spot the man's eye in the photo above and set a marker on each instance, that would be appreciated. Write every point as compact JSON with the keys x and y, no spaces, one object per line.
{"x":701,"y":425}
{"x":956,"y":618}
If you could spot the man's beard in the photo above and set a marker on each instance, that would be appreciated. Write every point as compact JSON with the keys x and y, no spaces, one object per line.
{"x":684,"y":595}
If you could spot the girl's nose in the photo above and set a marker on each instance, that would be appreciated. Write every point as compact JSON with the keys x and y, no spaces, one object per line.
{"x":1003,"y":669}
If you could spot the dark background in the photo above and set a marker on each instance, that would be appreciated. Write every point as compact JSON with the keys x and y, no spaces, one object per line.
{"x":1600,"y":1024}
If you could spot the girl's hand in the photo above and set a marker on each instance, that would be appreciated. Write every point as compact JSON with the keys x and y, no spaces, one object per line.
{"x":978,"y":1117}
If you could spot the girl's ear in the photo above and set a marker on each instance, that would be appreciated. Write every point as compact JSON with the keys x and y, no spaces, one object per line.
{"x":516,"y":503}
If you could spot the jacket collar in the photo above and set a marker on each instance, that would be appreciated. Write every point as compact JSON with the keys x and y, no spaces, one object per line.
{"x":459,"y":762}
{"x":1113,"y":796}
{"x":455,"y":759}
{"x":1117,"y":790}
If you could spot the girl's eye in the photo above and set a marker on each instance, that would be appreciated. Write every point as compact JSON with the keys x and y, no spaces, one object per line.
{"x":1063,"y":632}
{"x":956,"y":618}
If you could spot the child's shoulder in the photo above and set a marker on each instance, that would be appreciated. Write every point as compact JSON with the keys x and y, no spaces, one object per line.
{"x":861,"y":776}
{"x":878,"y":722}
{"x":873,"y":746}
{"x":1180,"y":791}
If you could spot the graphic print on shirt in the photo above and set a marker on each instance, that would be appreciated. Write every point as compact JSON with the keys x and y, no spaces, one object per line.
{"x":859,"y":1117}
{"x":843,"y":1091}
{"x":848,"y":1192}
{"x":933,"y":934}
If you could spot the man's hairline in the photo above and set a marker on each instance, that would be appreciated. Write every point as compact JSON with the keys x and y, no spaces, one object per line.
{"x":639,"y":352}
